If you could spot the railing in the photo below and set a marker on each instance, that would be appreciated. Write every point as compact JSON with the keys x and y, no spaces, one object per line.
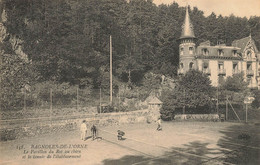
{"x":222,"y":71}
{"x":250,"y":72}
{"x":235,"y":71}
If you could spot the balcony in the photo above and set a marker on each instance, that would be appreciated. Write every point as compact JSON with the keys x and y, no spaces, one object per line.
{"x":221,"y":71}
{"x":180,"y":71}
{"x":236,"y":71}
{"x":249,"y":72}
{"x":206,"y":71}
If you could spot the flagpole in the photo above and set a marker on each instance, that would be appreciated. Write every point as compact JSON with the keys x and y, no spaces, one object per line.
{"x":111,"y":86}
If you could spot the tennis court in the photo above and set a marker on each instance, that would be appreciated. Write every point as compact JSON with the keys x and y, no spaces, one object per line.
{"x":178,"y":143}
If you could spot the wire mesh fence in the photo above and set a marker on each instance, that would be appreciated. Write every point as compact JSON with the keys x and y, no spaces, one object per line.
{"x":46,"y":102}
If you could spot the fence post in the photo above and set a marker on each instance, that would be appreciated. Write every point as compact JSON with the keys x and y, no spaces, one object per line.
{"x":119,"y":99}
{"x":24,"y":100}
{"x":100,"y":100}
{"x":77,"y":98}
{"x":217,"y":101}
{"x":246,"y":113}
{"x":226,"y":108}
{"x":51,"y":105}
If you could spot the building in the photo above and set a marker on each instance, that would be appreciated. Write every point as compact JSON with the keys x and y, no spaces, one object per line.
{"x":219,"y":61}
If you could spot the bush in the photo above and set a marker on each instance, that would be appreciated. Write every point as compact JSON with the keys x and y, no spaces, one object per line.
{"x":167,"y":112}
{"x":256,"y":102}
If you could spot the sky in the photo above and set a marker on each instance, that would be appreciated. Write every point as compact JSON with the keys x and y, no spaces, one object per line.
{"x":241,"y":8}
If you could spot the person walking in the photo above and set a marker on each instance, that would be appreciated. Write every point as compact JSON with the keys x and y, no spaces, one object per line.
{"x":83,"y":130}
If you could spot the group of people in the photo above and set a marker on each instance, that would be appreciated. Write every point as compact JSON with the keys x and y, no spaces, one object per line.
{"x":93,"y":129}
{"x":84,"y":129}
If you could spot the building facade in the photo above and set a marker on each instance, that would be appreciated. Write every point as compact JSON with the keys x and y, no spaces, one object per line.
{"x":219,"y":61}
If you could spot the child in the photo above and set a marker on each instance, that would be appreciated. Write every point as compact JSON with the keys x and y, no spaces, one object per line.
{"x":120,"y":135}
{"x":159,"y":128}
{"x":83,"y":130}
{"x":94,"y":132}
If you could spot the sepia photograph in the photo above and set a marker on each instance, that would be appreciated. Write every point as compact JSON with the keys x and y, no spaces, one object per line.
{"x":129,"y":82}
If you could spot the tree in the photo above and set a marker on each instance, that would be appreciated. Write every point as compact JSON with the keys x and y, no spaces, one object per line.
{"x":168,"y":108}
{"x":256,"y":102}
{"x":235,"y":83}
{"x":193,"y":94}
{"x":15,"y":75}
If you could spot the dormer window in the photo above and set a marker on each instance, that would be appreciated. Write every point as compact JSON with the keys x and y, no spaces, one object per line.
{"x":205,"y":51}
{"x":190,"y":50}
{"x":181,"y":51}
{"x":249,"y":54}
{"x":220,"y":52}
{"x":234,"y":52}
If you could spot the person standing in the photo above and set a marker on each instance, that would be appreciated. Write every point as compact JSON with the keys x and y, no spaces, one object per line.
{"x":83,"y":130}
{"x":94,"y":132}
{"x":159,"y":122}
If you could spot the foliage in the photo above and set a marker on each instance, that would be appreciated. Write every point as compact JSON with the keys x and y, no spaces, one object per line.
{"x":234,"y":88}
{"x":193,"y":91}
{"x":68,"y":41}
{"x":256,"y":102}
{"x":196,"y":89}
{"x":168,"y":108}
{"x":15,"y":76}
{"x":235,"y":83}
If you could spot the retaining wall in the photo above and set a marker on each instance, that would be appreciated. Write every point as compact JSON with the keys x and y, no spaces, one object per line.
{"x":25,"y":128}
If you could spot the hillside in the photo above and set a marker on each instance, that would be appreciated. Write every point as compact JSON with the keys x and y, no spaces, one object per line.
{"x":67,"y":42}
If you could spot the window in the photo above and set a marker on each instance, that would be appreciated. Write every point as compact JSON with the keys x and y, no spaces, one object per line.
{"x":249,"y":80}
{"x":181,"y":65}
{"x":181,"y":51}
{"x":220,"y":52}
{"x":249,"y":66}
{"x":220,"y":65}
{"x":191,"y":65}
{"x":249,"y":54}
{"x":234,"y":52}
{"x":205,"y":51}
{"x":205,"y":65}
{"x":221,"y":79}
{"x":235,"y":66}
{"x":190,"y":50}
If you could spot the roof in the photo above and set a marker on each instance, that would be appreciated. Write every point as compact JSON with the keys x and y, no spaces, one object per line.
{"x":153,"y":100}
{"x":205,"y":43}
{"x":187,"y":27}
{"x":241,"y":43}
{"x":213,"y":50}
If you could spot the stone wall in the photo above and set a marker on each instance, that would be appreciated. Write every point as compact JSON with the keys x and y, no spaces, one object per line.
{"x":43,"y":126}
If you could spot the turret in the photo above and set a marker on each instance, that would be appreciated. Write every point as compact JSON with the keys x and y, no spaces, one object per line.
{"x":187,"y":46}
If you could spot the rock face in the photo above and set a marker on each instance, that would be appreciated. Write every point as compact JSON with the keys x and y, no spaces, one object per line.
{"x":15,"y":42}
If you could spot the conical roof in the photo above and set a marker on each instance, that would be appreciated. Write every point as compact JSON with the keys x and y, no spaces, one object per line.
{"x":187,"y":27}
